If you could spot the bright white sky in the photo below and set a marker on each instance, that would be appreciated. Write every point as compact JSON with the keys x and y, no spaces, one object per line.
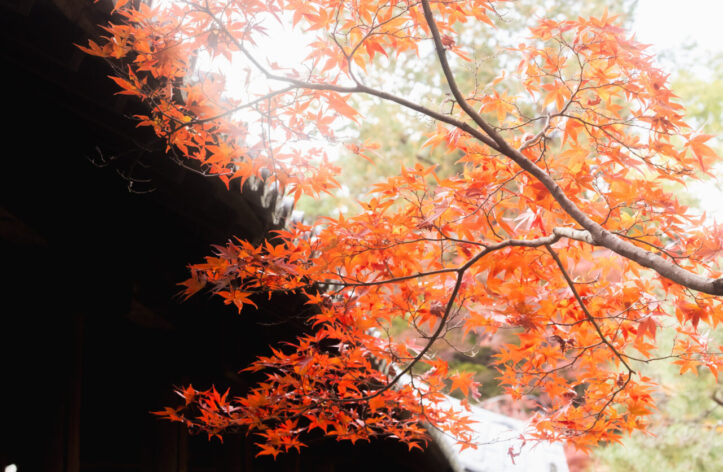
{"x":667,"y":24}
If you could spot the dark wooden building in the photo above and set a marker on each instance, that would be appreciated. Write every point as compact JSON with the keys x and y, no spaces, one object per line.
{"x":92,"y":335}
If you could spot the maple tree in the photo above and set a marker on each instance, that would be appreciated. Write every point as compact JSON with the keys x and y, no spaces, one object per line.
{"x":560,"y":228}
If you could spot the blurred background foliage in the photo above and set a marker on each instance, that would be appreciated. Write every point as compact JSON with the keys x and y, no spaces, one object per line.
{"x":684,"y":435}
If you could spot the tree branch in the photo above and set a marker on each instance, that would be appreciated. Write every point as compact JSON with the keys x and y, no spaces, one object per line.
{"x":544,"y":241}
{"x":598,"y":234}
{"x":588,"y":315}
{"x":576,"y":234}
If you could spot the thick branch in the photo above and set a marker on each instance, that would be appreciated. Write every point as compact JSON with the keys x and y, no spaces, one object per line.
{"x":645,"y":258}
{"x":576,"y":234}
{"x":449,"y":76}
{"x":716,"y":399}
{"x":599,"y":235}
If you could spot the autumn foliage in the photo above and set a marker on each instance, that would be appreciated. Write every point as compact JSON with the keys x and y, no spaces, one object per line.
{"x":562,"y":229}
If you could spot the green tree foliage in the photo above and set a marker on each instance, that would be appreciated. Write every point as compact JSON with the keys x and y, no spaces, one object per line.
{"x":685,"y":434}
{"x":703,"y":93}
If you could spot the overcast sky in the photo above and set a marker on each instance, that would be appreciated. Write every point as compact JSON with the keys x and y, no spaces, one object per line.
{"x":667,"y":24}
